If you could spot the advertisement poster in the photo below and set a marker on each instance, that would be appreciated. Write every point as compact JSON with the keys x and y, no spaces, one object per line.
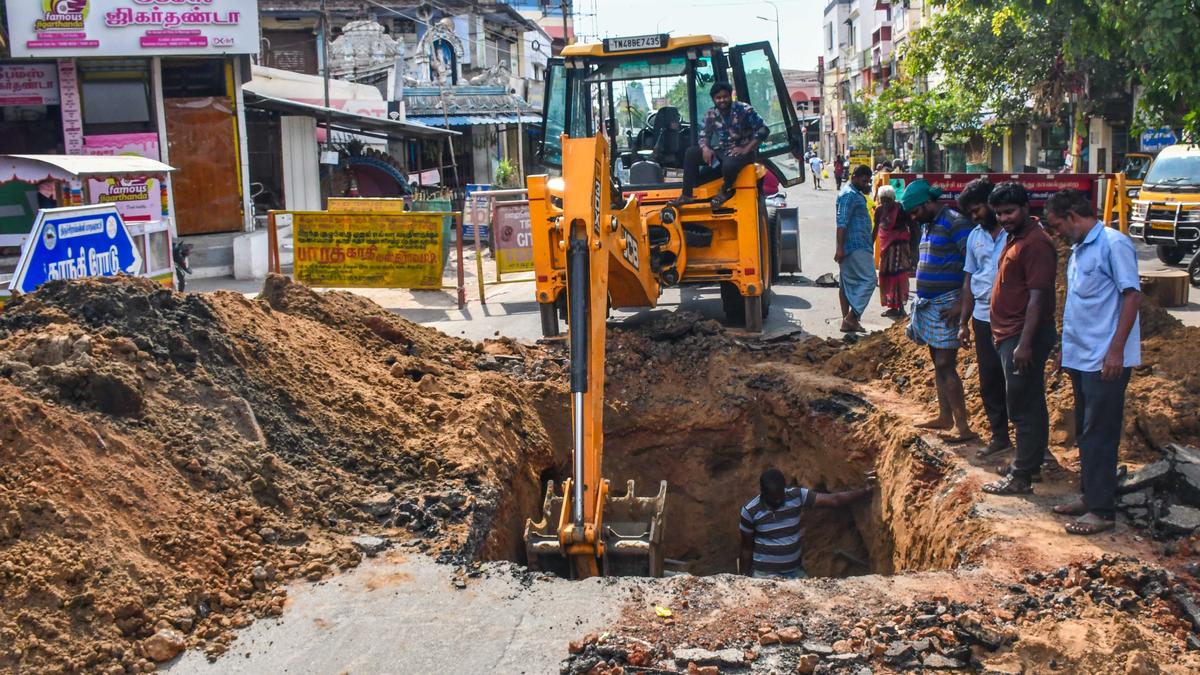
{"x":72,"y":108}
{"x":73,"y":243}
{"x":132,"y":27}
{"x":368,"y":250}
{"x":28,"y":84}
{"x":141,"y":145}
{"x":514,"y":237}
{"x":138,"y":199}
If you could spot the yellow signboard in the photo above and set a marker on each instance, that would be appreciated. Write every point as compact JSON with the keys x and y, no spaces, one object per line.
{"x":342,"y":249}
{"x":367,"y":204}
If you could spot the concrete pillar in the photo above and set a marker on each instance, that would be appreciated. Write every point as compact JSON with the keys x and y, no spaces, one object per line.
{"x":1006,"y":164}
{"x":1033,"y":144}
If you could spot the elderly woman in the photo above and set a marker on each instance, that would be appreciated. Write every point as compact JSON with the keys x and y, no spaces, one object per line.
{"x":895,"y":252}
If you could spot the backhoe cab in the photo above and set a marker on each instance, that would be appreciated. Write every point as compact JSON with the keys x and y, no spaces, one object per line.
{"x":618,"y":117}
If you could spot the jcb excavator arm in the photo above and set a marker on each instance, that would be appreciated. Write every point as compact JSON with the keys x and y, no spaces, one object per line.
{"x":607,"y":251}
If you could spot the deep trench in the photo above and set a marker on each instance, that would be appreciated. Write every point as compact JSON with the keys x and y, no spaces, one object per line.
{"x":712,"y":468}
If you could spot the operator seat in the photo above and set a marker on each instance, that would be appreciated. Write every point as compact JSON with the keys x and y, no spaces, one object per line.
{"x":670,"y":142}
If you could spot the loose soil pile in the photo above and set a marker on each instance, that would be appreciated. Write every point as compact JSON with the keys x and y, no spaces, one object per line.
{"x":167,"y":461}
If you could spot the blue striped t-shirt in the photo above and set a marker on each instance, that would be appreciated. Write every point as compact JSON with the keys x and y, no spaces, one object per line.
{"x":943,"y":253}
{"x":777,"y":532}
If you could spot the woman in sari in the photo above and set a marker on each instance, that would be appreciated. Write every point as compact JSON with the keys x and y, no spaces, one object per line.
{"x":895,"y":252}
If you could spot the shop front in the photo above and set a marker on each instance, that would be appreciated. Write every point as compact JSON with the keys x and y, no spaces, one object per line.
{"x":158,"y":79}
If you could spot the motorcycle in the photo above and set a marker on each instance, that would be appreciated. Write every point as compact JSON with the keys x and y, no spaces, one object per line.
{"x":179,"y":254}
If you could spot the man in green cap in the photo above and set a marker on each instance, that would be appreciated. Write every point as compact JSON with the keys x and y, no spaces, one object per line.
{"x":936,"y":309}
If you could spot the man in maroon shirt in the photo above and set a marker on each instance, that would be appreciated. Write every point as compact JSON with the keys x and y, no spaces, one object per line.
{"x":1022,"y":314}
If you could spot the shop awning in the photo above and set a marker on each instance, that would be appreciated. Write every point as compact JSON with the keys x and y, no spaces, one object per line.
{"x":472,"y":120}
{"x":340,"y":120}
{"x":33,"y":168}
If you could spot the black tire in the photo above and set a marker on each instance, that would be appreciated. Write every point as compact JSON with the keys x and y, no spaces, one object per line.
{"x":733,"y":303}
{"x":549,"y":319}
{"x":1170,"y":255}
{"x":1194,"y":270}
{"x":776,"y":243}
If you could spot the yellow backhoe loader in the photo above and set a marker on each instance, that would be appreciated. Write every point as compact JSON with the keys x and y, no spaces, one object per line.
{"x":609,"y":233}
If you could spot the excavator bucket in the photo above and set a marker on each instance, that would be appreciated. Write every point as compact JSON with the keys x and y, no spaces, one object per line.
{"x":632,"y":534}
{"x":542,"y":550}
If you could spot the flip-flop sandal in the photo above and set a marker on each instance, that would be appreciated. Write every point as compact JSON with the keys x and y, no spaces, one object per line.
{"x":951,"y":437}
{"x":1086,"y":528}
{"x":1075,"y":508}
{"x":1009,"y":486}
{"x":1006,"y":469}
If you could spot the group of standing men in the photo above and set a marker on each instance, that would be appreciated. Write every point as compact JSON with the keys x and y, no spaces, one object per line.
{"x":993,"y":274}
{"x":988,"y":268}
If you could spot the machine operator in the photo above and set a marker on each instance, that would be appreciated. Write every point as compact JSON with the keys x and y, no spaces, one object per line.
{"x":728,"y":142}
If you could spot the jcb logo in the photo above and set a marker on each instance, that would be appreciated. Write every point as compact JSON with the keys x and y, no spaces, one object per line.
{"x":631,"y":248}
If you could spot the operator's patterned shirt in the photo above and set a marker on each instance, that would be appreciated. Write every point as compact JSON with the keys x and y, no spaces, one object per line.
{"x":777,"y":532}
{"x":722,"y":132}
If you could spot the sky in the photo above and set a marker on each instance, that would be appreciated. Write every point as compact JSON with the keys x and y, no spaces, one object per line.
{"x":734,"y":20}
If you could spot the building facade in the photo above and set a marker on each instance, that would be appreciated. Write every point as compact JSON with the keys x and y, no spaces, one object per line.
{"x":113,"y":77}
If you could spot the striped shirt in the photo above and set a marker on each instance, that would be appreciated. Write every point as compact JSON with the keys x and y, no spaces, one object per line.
{"x":777,"y":532}
{"x":943,"y":249}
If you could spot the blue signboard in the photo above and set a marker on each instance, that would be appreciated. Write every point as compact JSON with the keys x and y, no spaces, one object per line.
{"x":73,"y":243}
{"x":1154,"y":140}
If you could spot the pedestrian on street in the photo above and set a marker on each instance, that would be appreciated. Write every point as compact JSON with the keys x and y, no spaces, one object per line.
{"x":815,"y":164}
{"x":895,"y":253}
{"x":1101,"y":344}
{"x":855,"y":253}
{"x":984,"y":247}
{"x":1022,"y":321}
{"x":935,"y":312}
{"x":772,"y":524}
{"x":839,"y":172}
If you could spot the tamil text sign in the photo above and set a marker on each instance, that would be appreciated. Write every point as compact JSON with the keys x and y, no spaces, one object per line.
{"x":1039,"y":185}
{"x":1153,"y":140}
{"x":514,"y":237}
{"x":132,"y":27}
{"x":28,"y":84}
{"x":367,"y":250}
{"x":73,"y":243}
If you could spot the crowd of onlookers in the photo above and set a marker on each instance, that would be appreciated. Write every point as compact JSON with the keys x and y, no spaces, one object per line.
{"x":985,"y":270}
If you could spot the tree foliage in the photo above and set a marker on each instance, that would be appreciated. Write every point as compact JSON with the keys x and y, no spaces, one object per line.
{"x":1023,"y":60}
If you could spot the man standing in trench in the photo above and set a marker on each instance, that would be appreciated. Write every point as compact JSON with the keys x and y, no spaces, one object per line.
{"x":771,"y":524}
{"x":1101,"y":344}
{"x":1022,"y":318}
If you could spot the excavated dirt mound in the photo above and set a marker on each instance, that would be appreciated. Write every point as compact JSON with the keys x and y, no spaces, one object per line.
{"x":168,"y":460}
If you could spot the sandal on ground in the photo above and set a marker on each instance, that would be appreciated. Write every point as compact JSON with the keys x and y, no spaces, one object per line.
{"x":1009,"y":485}
{"x":994,"y":447}
{"x":934,"y":424}
{"x":1090,"y":524}
{"x":1006,"y":469}
{"x":1075,"y":508}
{"x":955,"y":437}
